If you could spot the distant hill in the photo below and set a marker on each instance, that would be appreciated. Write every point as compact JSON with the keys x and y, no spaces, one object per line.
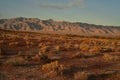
{"x":58,"y":27}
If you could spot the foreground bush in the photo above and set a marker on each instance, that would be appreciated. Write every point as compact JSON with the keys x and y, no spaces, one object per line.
{"x":51,"y":69}
{"x":109,"y":57}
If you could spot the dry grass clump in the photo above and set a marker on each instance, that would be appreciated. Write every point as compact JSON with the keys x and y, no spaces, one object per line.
{"x":57,"y":48}
{"x":40,"y":56}
{"x":13,"y":43}
{"x":95,"y":50}
{"x":67,"y":46}
{"x":109,"y":57}
{"x":81,"y":76}
{"x":27,"y":40}
{"x":76,"y":46}
{"x":44,"y":49}
{"x":84,"y":47}
{"x":51,"y":69}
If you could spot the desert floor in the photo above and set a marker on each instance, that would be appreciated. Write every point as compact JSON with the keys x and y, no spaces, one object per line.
{"x":33,"y":56}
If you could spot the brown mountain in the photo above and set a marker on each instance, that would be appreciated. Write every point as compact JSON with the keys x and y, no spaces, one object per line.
{"x":58,"y":27}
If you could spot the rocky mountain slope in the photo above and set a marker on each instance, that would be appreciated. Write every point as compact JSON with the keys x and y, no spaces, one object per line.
{"x":58,"y":27}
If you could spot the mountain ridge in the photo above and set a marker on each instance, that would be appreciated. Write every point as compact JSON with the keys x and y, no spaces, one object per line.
{"x":58,"y":27}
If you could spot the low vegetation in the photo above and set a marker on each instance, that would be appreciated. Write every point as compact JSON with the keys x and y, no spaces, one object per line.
{"x":58,"y":57}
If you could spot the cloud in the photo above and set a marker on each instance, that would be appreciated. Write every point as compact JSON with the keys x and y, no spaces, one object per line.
{"x":71,"y":4}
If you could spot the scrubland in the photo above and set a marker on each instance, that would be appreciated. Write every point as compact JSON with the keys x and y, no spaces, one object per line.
{"x":35,"y":56}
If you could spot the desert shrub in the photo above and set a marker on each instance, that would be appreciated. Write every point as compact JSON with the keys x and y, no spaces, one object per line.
{"x":51,"y":69}
{"x":67,"y":46}
{"x":50,"y":74}
{"x":95,"y":50}
{"x":57,"y":48}
{"x":44,"y":49}
{"x":81,"y":76}
{"x":40,"y":56}
{"x":109,"y":57}
{"x":84,"y":47}
{"x":13,"y":43}
{"x":76,"y":46}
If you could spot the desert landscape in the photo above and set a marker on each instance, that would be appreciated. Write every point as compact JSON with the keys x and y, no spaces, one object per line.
{"x":43,"y":56}
{"x":59,"y":39}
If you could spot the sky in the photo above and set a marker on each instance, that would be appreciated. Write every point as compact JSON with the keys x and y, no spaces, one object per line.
{"x":100,"y":12}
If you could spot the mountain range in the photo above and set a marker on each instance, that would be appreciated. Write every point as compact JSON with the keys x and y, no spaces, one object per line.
{"x":58,"y":27}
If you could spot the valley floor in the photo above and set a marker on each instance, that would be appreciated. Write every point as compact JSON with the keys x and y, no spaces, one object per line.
{"x":31,"y":56}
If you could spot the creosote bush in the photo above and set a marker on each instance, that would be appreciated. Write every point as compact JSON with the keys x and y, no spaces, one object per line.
{"x":57,"y":48}
{"x":40,"y":56}
{"x":51,"y":69}
{"x":95,"y":50}
{"x":109,"y":57}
